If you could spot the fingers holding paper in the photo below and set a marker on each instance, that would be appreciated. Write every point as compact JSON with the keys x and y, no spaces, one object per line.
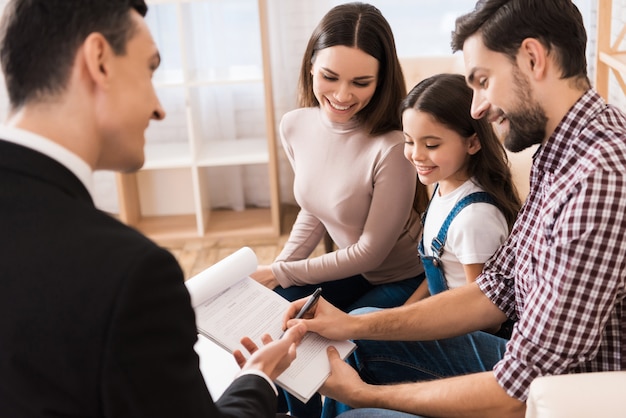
{"x":275,"y":356}
{"x":344,"y":383}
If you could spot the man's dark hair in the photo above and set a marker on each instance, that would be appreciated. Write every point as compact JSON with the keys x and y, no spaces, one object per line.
{"x":504,"y":24}
{"x":39,"y":40}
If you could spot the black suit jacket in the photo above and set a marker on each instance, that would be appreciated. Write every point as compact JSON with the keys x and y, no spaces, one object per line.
{"x":95,"y":319}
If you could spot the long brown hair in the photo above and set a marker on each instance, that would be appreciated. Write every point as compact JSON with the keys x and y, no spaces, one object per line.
{"x":362,"y":26}
{"x":448,"y":99}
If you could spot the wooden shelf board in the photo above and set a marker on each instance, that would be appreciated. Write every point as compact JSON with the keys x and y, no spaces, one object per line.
{"x":253,"y":222}
{"x":167,"y":155}
{"x":250,"y":222}
{"x":171,"y":227}
{"x":168,"y":78}
{"x":616,"y":60}
{"x":233,"y":152}
{"x":208,"y":77}
{"x":211,"y":154}
{"x":228,"y":75}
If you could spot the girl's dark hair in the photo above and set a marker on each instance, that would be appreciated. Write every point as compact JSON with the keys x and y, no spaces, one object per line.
{"x":448,"y":99}
{"x":504,"y":24}
{"x":39,"y":40}
{"x":361,"y":26}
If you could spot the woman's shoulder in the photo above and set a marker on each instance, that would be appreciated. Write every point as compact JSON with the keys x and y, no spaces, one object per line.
{"x":294,"y":120}
{"x":392,"y":137}
{"x":386,"y":147}
{"x":301,"y":114}
{"x":387,"y":142}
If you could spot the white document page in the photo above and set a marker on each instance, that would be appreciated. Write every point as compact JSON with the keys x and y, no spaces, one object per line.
{"x":240,"y":306}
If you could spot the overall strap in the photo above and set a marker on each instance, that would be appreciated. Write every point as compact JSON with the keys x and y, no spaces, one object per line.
{"x":476,"y":197}
{"x":428,"y":205}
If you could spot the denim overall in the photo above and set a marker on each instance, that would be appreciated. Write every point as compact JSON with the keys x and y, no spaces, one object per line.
{"x":432,"y":265}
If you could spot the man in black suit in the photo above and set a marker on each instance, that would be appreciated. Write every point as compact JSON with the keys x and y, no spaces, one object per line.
{"x":95,"y":319}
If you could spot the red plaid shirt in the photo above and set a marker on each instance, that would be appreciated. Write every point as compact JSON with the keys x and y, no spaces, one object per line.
{"x":562,"y":272}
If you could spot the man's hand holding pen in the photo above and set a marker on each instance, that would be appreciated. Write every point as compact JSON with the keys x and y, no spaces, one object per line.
{"x":326,"y":320}
{"x":322,"y":318}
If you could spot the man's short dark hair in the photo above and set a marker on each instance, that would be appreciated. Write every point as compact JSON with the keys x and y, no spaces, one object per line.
{"x":39,"y":40}
{"x":504,"y":24}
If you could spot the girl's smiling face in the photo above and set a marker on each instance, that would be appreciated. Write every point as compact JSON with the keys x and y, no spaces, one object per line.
{"x":438,"y":153}
{"x":344,"y":81}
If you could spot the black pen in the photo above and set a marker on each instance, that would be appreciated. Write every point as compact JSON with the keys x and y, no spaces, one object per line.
{"x":308,"y":305}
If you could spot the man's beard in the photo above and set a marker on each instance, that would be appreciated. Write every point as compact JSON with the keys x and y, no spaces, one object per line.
{"x":527,"y":125}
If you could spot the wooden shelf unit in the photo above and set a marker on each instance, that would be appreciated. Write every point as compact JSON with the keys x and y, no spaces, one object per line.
{"x":195,"y":154}
{"x":609,"y":57}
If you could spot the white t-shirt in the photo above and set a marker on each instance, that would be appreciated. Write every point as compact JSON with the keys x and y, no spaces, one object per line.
{"x":473,"y":236}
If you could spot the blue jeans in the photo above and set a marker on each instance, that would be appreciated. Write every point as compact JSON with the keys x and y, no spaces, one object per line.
{"x":347,"y":295}
{"x":386,"y":362}
{"x":356,"y":292}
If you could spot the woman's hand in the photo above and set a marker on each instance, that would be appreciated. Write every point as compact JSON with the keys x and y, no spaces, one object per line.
{"x":265,"y":276}
{"x":420,"y":293}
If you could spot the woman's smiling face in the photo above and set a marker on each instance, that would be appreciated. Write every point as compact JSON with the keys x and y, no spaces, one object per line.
{"x":344,"y":81}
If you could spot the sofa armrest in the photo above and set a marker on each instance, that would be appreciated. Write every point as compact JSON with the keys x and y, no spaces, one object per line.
{"x":578,"y":395}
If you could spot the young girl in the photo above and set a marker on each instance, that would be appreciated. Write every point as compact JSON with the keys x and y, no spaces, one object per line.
{"x":474,"y":203}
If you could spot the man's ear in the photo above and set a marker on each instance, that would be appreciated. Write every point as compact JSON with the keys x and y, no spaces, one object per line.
{"x":533,"y":58}
{"x":97,"y":56}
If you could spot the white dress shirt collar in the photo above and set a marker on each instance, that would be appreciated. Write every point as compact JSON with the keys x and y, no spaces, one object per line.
{"x":67,"y":158}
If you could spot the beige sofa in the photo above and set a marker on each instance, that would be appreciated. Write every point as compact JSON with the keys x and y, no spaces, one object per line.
{"x":586,"y":395}
{"x":569,"y":396}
